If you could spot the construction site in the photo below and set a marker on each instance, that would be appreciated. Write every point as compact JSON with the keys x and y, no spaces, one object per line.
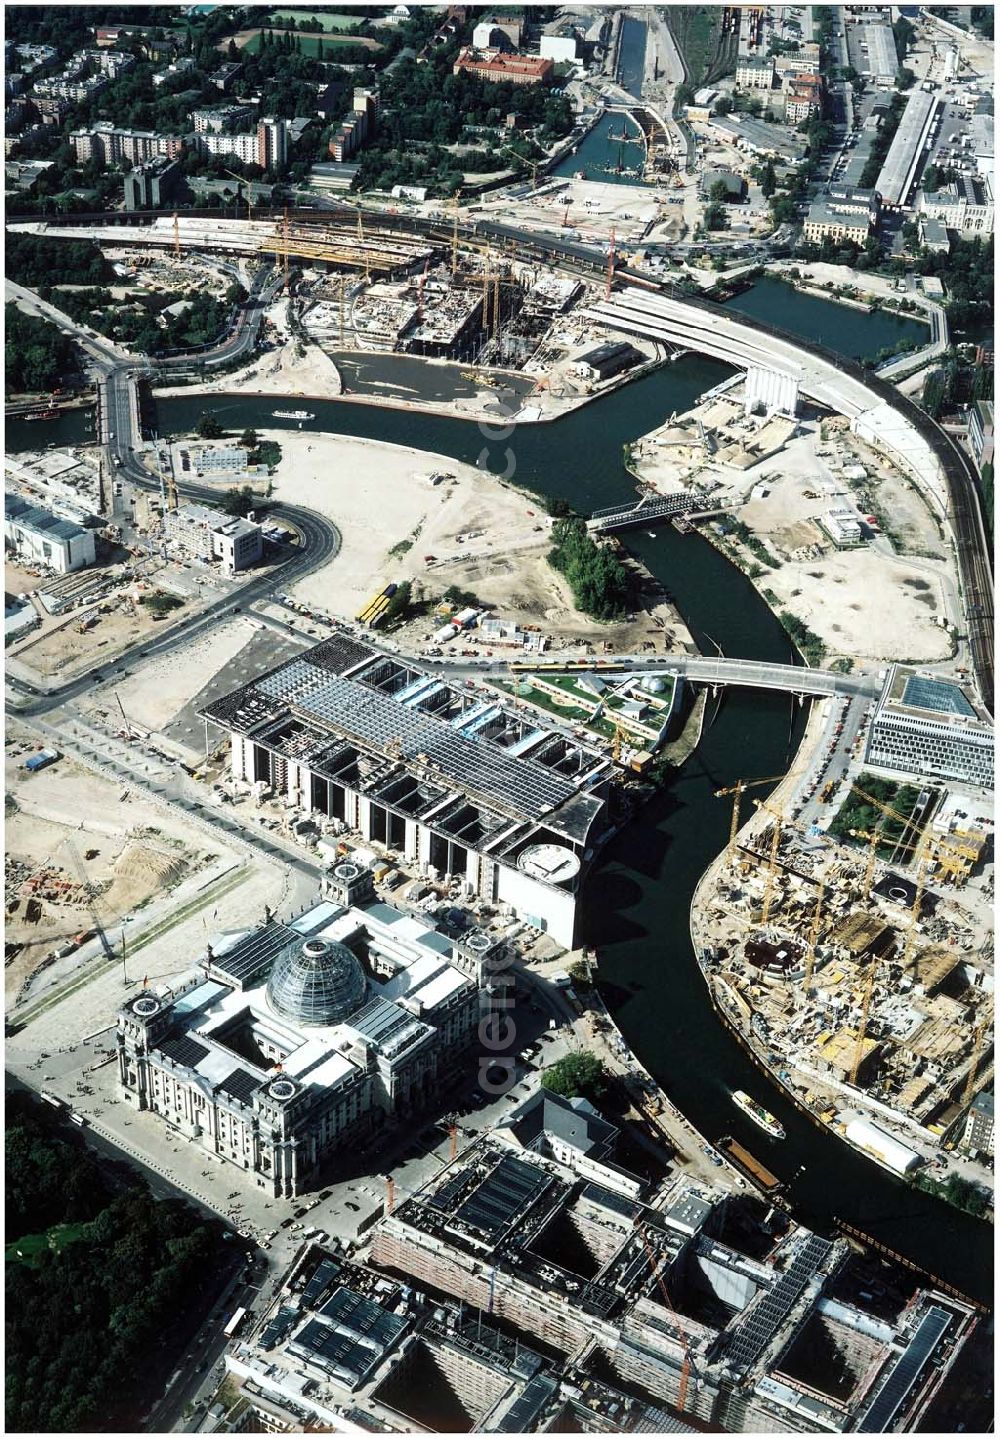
{"x":72,"y":879}
{"x":653,"y":1294}
{"x":859,"y":970}
{"x":355,"y":285}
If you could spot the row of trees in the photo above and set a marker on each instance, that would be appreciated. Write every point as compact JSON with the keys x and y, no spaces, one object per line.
{"x":597,"y":577}
{"x":89,"y":1324}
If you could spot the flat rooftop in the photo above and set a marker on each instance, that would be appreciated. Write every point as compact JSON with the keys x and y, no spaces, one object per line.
{"x":468,"y":741}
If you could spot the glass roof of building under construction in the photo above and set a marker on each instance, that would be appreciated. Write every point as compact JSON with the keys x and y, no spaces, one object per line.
{"x":928,"y":694}
{"x":380,"y":721}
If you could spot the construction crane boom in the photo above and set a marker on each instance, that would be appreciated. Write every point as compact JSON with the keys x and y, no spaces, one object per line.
{"x":88,"y":890}
{"x":977,"y":1044}
{"x":814,"y":938}
{"x":656,"y":1270}
{"x":737,"y":790}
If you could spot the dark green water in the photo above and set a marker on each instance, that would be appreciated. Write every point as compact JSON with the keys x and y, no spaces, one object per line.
{"x":852,"y":332}
{"x":600,"y":154}
{"x":638,"y":897}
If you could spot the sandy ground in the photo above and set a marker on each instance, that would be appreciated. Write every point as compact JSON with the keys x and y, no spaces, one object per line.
{"x":58,"y":648}
{"x":865,"y":604}
{"x":163,"y":686}
{"x":142,"y":853}
{"x":878,"y":602}
{"x":379,"y":497}
{"x":283,"y":372}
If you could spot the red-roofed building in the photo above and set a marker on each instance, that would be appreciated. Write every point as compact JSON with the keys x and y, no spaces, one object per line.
{"x":803,"y":98}
{"x":495,"y":65}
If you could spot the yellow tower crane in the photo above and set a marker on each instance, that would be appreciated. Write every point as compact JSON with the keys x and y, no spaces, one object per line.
{"x":873,"y":838}
{"x":534,"y":165}
{"x":817,"y":921}
{"x":363,"y":249}
{"x":923,"y":856}
{"x":243,"y":181}
{"x":454,"y":233}
{"x":859,"y":1052}
{"x":778,"y":818}
{"x":737,"y":791}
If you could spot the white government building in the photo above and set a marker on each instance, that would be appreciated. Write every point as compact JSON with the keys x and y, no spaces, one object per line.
{"x":456,"y":780}
{"x":295,"y":1041}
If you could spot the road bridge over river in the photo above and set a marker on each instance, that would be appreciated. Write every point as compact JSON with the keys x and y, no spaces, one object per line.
{"x":881,"y":415}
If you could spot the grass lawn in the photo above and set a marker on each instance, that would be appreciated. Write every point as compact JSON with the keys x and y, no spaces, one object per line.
{"x":27,"y":1249}
{"x":328,"y":22}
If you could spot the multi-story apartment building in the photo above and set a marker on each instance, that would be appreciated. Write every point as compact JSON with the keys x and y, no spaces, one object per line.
{"x":221,"y":117}
{"x":755,"y":72}
{"x":108,"y":144}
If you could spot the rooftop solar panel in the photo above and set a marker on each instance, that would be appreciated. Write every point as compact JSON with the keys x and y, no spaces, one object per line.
{"x":899,"y":1381}
{"x":182,"y":1049}
{"x":608,"y":1199}
{"x":240,"y":1084}
{"x":524,"y":1411}
{"x":380,"y":721}
{"x":252,"y":957}
{"x":325,"y":1273}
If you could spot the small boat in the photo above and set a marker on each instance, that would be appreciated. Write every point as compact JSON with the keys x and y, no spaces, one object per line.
{"x":758,"y":1114}
{"x":651,"y":534}
{"x":292,"y":415}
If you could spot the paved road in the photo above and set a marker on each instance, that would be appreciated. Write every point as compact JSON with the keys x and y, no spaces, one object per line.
{"x":319,"y":539}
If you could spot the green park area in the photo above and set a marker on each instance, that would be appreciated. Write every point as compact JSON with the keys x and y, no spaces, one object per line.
{"x":29,"y":1248}
{"x":318,"y":21}
{"x":313,"y":47}
{"x":886,"y":813}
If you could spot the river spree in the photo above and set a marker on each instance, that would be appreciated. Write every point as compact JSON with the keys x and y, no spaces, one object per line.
{"x":637,"y":899}
{"x":603,"y":155}
{"x":860,"y":334}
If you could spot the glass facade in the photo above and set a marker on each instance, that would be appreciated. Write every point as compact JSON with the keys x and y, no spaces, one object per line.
{"x":316,"y":983}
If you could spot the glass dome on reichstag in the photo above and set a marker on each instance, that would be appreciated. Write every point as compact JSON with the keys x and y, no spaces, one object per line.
{"x":316,"y":982}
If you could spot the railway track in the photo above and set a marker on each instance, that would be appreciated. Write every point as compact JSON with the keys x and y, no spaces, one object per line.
{"x":972,"y":548}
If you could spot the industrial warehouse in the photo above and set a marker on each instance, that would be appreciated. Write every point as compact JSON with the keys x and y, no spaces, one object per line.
{"x":453,"y":779}
{"x":744,"y":1323}
{"x":297,"y":1040}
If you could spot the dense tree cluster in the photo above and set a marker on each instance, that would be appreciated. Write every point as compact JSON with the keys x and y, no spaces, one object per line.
{"x":859,"y":813}
{"x":426,"y":108}
{"x":90,"y":1323}
{"x":579,"y":1075}
{"x":36,"y":354}
{"x":596,"y":576}
{"x":50,"y":260}
{"x":139,"y":322}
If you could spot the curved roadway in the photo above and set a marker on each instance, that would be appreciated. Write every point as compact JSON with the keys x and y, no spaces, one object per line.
{"x":972,"y":548}
{"x":319,"y":539}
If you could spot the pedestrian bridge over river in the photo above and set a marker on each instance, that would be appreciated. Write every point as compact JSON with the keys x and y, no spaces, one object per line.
{"x":697,"y":669}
